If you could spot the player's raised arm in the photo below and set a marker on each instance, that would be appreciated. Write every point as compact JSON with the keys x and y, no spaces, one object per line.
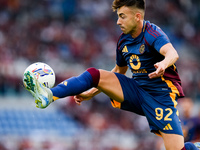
{"x":171,"y":56}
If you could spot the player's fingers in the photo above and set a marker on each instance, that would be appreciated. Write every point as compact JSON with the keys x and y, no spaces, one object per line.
{"x":156,"y":65}
{"x":155,"y":74}
{"x":78,"y":102}
{"x":78,"y":99}
{"x":75,"y":97}
{"x":152,"y":75}
{"x":160,"y":71}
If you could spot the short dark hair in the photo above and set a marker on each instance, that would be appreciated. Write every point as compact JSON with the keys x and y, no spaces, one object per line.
{"x":137,"y":3}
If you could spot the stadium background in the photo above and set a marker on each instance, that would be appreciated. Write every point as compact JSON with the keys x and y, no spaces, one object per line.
{"x":70,"y":36}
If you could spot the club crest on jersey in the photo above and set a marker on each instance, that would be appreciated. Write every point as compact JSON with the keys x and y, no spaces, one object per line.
{"x":142,"y":49}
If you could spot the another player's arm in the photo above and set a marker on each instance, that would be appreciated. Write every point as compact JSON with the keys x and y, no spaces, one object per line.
{"x":171,"y":56}
{"x":94,"y":91}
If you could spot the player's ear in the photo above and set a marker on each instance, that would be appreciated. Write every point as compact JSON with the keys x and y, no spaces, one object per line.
{"x":138,"y":16}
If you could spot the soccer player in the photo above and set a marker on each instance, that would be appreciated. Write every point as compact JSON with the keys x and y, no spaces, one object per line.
{"x":154,"y":87}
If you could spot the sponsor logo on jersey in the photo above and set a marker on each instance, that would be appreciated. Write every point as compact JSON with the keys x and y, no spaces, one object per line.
{"x":135,"y":58}
{"x":168,"y":127}
{"x":125,"y":50}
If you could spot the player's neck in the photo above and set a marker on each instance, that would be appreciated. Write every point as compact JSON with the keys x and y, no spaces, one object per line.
{"x":138,"y":29}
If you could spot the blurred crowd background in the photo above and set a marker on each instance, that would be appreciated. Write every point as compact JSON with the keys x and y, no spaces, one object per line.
{"x":70,"y":36}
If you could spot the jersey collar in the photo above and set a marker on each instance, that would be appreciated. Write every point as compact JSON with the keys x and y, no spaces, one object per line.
{"x":140,"y":37}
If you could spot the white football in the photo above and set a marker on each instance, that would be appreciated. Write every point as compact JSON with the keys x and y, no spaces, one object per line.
{"x":43,"y":73}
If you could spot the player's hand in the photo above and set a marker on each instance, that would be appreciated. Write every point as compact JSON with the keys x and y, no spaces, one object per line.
{"x":160,"y":70}
{"x":82,"y":97}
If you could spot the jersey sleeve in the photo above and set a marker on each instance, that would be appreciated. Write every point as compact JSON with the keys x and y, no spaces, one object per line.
{"x":120,"y":61}
{"x":160,"y":41}
{"x":156,"y":37}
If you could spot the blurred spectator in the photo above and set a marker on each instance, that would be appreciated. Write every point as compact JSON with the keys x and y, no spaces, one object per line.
{"x":25,"y":144}
{"x":190,"y":121}
{"x":2,"y":147}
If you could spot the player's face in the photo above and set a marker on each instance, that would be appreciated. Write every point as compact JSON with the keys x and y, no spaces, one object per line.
{"x":127,"y":19}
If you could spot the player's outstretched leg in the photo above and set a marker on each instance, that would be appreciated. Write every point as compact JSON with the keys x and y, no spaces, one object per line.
{"x":42,"y":95}
{"x":72,"y":86}
{"x":76,"y":85}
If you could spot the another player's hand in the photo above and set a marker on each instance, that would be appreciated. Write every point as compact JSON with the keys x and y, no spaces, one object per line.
{"x":160,"y":70}
{"x":82,"y":97}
